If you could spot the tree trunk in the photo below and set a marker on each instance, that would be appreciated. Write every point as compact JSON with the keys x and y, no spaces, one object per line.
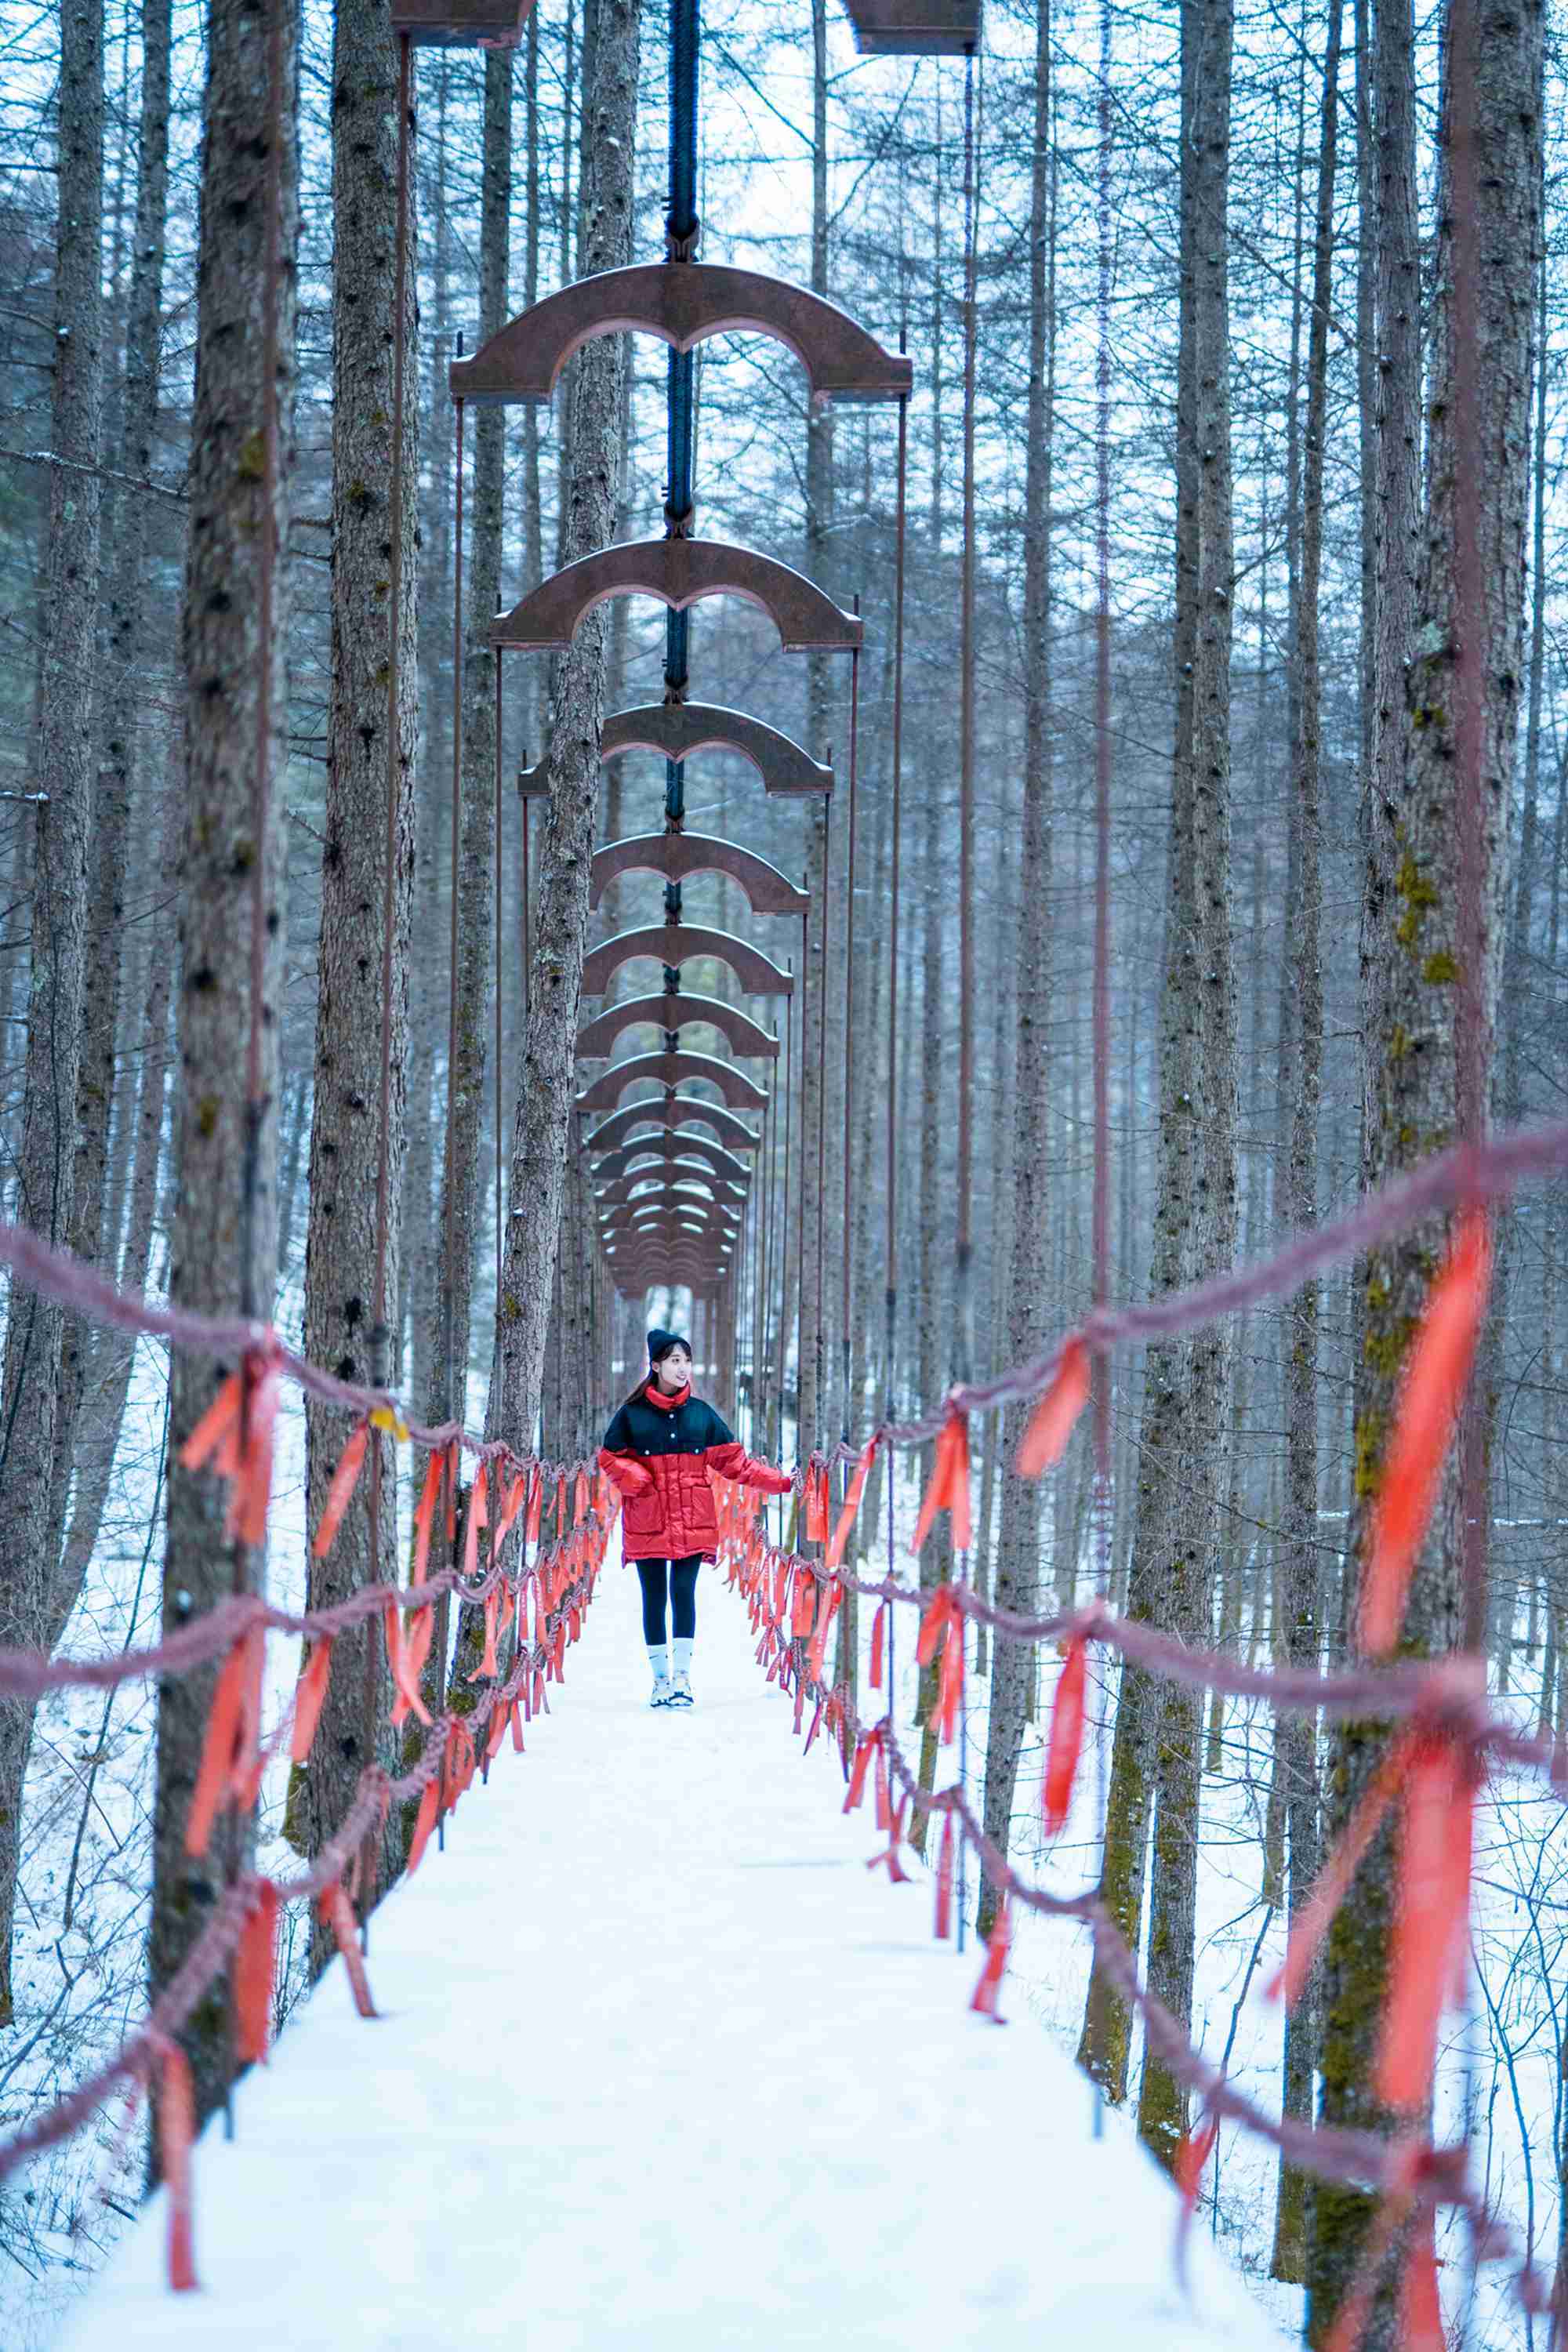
{"x":117,"y":778}
{"x":222,"y":1261}
{"x":347,"y":1327}
{"x":1430,"y":995}
{"x":1028,"y":1290}
{"x":62,"y":776}
{"x":1187,"y":1572}
{"x":1296,"y":1735}
{"x":542,"y":1129}
{"x":474,"y":879}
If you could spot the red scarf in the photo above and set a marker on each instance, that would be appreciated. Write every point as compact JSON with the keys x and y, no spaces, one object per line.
{"x":655,"y":1395}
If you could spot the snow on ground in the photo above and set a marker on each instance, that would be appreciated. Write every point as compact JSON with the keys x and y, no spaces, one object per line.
{"x":662,"y":2063}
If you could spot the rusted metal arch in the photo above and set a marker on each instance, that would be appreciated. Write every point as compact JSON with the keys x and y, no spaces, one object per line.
{"x":687,"y":1178}
{"x":462,"y":24}
{"x":673,"y":944}
{"x":641,"y":1271}
{"x":672,"y":1225}
{"x":672,"y":1112}
{"x":675,"y":1150}
{"x":637,"y":1216}
{"x":677,"y":854}
{"x":682,"y":303}
{"x":746,"y":1038}
{"x":678,"y":729}
{"x":679,"y":572}
{"x":737,"y":1090}
{"x":915,"y":28}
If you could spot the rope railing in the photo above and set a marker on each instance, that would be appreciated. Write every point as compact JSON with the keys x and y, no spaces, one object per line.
{"x":456,"y":1744}
{"x":1413,"y":2175}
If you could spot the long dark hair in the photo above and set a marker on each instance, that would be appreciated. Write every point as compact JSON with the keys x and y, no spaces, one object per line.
{"x":641,"y":1389}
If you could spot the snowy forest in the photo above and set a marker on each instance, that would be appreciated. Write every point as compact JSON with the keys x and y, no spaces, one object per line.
{"x":1161,"y":856}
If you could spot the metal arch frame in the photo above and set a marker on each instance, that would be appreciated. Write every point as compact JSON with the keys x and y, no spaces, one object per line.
{"x":915,"y":28}
{"x":740,"y":1092}
{"x":678,"y":855}
{"x":683,"y":303}
{"x":672,"y":944}
{"x":461,"y":24}
{"x":674,"y":1149}
{"x":682,"y":1176}
{"x":679,"y":730}
{"x":717,"y":1216}
{"x":747,"y":1039}
{"x":671,"y":1114}
{"x":680,"y":572}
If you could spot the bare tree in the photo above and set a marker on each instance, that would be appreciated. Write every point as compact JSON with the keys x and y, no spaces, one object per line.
{"x":361,"y":1027}
{"x":543,"y":1120}
{"x":62,"y":778}
{"x":223,"y":1244}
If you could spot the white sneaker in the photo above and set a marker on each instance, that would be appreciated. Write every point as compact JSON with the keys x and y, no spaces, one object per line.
{"x":661,"y":1695}
{"x":679,"y":1692}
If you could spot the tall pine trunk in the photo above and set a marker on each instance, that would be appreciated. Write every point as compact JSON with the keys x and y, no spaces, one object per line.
{"x":1424,"y":1076}
{"x":1296,"y":1735}
{"x":346,"y":1181}
{"x":542,"y":1127}
{"x":228,"y":727}
{"x":62,"y":777}
{"x":1028,"y":1290}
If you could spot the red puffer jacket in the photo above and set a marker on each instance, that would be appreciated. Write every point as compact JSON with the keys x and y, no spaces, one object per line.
{"x":660,"y":1450}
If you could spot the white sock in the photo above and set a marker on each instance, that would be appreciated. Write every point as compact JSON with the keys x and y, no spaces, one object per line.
{"x":683,"y":1656}
{"x":659,"y":1661}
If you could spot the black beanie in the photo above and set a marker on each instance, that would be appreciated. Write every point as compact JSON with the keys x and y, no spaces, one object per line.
{"x":659,"y":1344}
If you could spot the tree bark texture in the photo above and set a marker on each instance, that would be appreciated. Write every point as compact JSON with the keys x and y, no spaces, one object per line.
{"x":542,"y":1127}
{"x":116,"y":784}
{"x":343,"y":1327}
{"x":228,"y":726}
{"x":1028,"y":1290}
{"x":62,"y":776}
{"x":474,"y":879}
{"x":1412,"y":1016}
{"x":1296,"y":1736}
{"x":1186,"y":1573}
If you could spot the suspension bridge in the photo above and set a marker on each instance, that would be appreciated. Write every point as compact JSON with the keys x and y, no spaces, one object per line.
{"x":645,"y":2051}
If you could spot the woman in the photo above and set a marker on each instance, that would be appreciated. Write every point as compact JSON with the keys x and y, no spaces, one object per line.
{"x":659,"y":1450}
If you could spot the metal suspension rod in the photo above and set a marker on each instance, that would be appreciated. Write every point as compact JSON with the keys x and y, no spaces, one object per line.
{"x":844,"y":1346}
{"x":819,"y":1341}
{"x":891,"y":1297}
{"x":963,"y":1318}
{"x":501,"y":944}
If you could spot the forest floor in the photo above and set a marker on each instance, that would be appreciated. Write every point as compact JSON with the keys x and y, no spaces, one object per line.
{"x":662,"y":2063}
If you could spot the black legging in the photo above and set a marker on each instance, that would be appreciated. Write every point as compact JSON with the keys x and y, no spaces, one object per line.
{"x":682,"y":1596}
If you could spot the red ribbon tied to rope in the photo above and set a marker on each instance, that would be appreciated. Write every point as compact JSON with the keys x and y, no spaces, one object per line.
{"x":851,"y":1505}
{"x":345,"y":1479}
{"x":944,"y":1617}
{"x":176,"y":2137}
{"x":817,"y":1504}
{"x":254,"y":1969}
{"x":1430,"y":1394}
{"x":1066,"y":1738}
{"x":988,"y":1990}
{"x":234,"y":1435}
{"x":229,"y":1747}
{"x":1056,"y":1416}
{"x":949,"y":1487}
{"x":425,"y":1517}
{"x":309,"y":1695}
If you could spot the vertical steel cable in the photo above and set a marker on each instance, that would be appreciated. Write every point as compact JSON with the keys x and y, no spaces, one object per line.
{"x":819,"y":1344}
{"x":1102,"y":769}
{"x":892,"y":1295}
{"x":844,"y":1346}
{"x":964,"y":1303}
{"x":500,"y":942}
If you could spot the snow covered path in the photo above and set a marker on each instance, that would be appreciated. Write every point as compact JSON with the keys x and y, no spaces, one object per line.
{"x":661,"y":2065}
